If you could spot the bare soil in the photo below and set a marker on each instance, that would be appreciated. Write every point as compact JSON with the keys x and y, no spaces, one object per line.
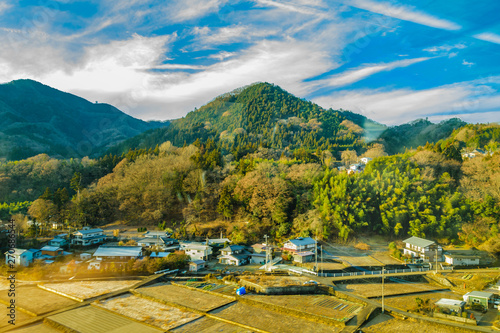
{"x":190,"y":298}
{"x":270,"y":321}
{"x":37,"y":300}
{"x":88,"y":289}
{"x":375,"y":289}
{"x":150,"y":312}
{"x":408,"y":302}
{"x":322,"y":305}
{"x":209,"y":325}
{"x":276,"y":281}
{"x":387,"y":324}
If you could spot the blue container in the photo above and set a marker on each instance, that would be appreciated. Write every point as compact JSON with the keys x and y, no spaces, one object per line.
{"x":241,"y":291}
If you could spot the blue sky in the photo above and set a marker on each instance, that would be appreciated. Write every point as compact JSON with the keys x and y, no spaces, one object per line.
{"x":392,"y":61}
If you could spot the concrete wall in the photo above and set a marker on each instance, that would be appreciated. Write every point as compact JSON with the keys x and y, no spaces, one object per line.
{"x":455,"y":318}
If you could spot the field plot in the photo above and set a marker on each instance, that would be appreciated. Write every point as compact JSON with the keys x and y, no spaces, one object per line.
{"x":89,"y":289}
{"x":90,"y":319}
{"x":409,"y":303}
{"x":321,"y":305}
{"x":223,"y":289}
{"x":20,"y":316}
{"x":150,"y":312}
{"x":37,"y":300}
{"x":360,"y":260}
{"x":269,"y":320}
{"x":327,"y":266}
{"x":209,"y":325}
{"x":190,"y":298}
{"x":371,"y":290}
{"x":38,"y":328}
{"x":387,"y":324}
{"x":385,"y":258}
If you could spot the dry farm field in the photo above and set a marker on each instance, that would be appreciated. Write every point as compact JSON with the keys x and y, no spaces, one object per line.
{"x":89,"y":289}
{"x":209,"y":325}
{"x":183,"y":296}
{"x":387,"y":324}
{"x":150,"y":312}
{"x":269,"y":321}
{"x":38,"y":301}
{"x":20,"y":316}
{"x":321,"y":305}
{"x":385,"y":258}
{"x":408,"y":302}
{"x":38,"y":328}
{"x":371,"y":290}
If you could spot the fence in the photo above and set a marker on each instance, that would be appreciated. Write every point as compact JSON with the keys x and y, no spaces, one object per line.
{"x":389,"y":271}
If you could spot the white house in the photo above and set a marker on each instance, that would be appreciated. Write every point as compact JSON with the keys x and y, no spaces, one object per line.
{"x":424,"y":249}
{"x":461,"y":260}
{"x":196,"y":265}
{"x":365,"y":160}
{"x":119,"y":253}
{"x":20,"y":257}
{"x":219,"y":241}
{"x":197,"y":251}
{"x":300,"y":244}
{"x":155,"y":234}
{"x":234,"y":255}
{"x":88,"y":236}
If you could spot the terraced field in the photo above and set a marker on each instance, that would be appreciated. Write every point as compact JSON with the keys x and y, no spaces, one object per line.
{"x":38,"y":301}
{"x":185,"y":297}
{"x":90,"y":319}
{"x":321,"y":305}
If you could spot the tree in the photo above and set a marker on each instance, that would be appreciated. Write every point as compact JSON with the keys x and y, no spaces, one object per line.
{"x":225,"y":205}
{"x":349,"y":157}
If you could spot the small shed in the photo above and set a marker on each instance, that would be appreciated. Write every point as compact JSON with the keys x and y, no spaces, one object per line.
{"x":303,"y":257}
{"x":450,"y":306}
{"x":85,"y":256}
{"x":196,"y":265}
{"x":52,"y":251}
{"x":462,"y":260}
{"x":479,"y":298}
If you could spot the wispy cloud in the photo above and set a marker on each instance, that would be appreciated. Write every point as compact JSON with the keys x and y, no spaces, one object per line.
{"x":302,"y":7}
{"x":488,"y":37}
{"x":365,"y":71}
{"x":183,"y":10}
{"x":226,"y":35}
{"x":406,"y":13}
{"x":445,"y":48}
{"x":403,"y":105}
{"x":4,"y":6}
{"x":468,"y":64}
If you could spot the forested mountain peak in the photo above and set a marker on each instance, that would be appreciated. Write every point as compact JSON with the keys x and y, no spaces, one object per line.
{"x":35,"y":118}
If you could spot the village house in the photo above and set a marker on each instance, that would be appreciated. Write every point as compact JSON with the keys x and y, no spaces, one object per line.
{"x":52,"y":251}
{"x":303,"y":257}
{"x":461,"y":260}
{"x":450,"y":306}
{"x":58,"y":242}
{"x":118,"y":253}
{"x":219,"y":241}
{"x":234,"y":255}
{"x":424,"y":249}
{"x":300,"y":244}
{"x":479,"y":298}
{"x":158,"y":255}
{"x":197,"y":251}
{"x":197,"y":265}
{"x":37,"y":253}
{"x":365,"y":160}
{"x":156,"y":234}
{"x":88,"y":236}
{"x":20,"y":257}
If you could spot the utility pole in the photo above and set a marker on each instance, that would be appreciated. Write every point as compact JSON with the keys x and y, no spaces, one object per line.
{"x":321,"y":260}
{"x":383,"y":307}
{"x":316,"y":254}
{"x":267,"y":251}
{"x":436,"y":259}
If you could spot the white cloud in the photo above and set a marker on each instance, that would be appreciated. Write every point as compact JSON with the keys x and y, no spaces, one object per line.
{"x":406,"y":13}
{"x":4,"y":6}
{"x":488,"y":37}
{"x":363,"y":72}
{"x":403,"y":105}
{"x":183,"y":10}
{"x":468,"y":64}
{"x":304,"y":7}
{"x":446,"y":48}
{"x":230,"y":34}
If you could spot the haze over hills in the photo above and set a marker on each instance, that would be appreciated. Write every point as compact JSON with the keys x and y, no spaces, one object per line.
{"x":35,"y":118}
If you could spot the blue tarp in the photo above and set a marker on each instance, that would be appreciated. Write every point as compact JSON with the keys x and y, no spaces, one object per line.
{"x":241,"y":291}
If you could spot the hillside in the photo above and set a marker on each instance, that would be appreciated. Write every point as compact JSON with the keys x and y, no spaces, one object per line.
{"x":35,"y":118}
{"x":417,"y":133}
{"x":264,"y":115}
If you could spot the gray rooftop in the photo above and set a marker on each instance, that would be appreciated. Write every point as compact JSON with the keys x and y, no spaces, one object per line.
{"x":481,"y":294}
{"x":118,"y":251}
{"x":88,"y":231}
{"x":301,"y":241}
{"x":417,"y":241}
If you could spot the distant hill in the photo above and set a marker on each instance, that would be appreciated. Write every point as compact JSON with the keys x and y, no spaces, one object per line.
{"x":417,"y":133}
{"x":264,"y":115}
{"x":35,"y":118}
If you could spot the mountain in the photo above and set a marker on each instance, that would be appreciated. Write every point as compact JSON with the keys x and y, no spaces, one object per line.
{"x":35,"y":118}
{"x":264,"y":115}
{"x":417,"y":133}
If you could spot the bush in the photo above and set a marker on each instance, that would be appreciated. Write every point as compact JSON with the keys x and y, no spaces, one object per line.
{"x":362,"y":246}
